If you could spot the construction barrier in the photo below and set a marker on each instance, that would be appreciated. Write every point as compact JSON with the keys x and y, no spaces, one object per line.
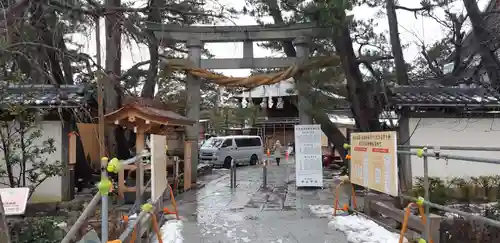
{"x":105,"y":186}
{"x":146,"y":208}
{"x":174,"y":204}
{"x":419,"y":204}
{"x":336,"y":201}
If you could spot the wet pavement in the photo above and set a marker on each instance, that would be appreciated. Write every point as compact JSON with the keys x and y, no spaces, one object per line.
{"x":280,"y":213}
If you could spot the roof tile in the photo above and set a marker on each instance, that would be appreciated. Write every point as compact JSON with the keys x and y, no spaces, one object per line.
{"x":417,"y":95}
{"x":44,"y":95}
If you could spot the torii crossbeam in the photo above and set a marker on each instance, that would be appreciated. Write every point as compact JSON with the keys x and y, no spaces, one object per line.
{"x":196,"y":36}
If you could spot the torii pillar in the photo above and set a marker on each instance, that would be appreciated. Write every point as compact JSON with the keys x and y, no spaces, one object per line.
{"x":301,"y":81}
{"x":193,"y":100}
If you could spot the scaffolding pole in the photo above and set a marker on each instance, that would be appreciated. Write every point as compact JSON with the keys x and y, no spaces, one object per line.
{"x":455,"y":157}
{"x":467,"y":148}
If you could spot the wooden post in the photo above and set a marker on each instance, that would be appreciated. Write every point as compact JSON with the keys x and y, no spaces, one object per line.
{"x":121,"y":184}
{"x":187,"y":165}
{"x":72,"y":162}
{"x":100,"y":91}
{"x":139,"y":173}
{"x":4,"y":229}
{"x":72,"y":149}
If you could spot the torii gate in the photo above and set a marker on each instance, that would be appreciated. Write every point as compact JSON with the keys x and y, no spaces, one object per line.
{"x":196,"y":36}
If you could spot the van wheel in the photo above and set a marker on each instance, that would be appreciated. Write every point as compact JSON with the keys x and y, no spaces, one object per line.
{"x":227,"y":162}
{"x":254,"y":159}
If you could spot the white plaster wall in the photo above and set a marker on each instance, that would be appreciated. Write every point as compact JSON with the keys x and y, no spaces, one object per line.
{"x":456,"y":132}
{"x":51,"y":189}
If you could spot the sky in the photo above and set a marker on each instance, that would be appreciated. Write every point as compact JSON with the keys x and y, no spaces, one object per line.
{"x":413,"y":29}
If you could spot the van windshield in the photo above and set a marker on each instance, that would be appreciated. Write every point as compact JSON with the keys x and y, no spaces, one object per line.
{"x":213,"y":143}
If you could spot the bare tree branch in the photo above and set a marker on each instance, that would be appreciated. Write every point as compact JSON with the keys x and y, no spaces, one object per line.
{"x":371,"y":59}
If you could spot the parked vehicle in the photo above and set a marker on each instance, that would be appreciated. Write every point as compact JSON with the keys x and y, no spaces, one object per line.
{"x":219,"y":151}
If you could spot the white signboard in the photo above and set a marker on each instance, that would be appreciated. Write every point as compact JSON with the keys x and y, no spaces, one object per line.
{"x":14,"y":200}
{"x":158,"y":166}
{"x":308,"y":159}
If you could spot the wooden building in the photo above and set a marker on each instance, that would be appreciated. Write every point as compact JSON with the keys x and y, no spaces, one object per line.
{"x":279,"y":114}
{"x":60,"y":109}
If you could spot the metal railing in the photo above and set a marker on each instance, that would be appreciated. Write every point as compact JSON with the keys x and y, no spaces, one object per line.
{"x":102,"y":196}
{"x":141,"y":217}
{"x":89,"y":210}
{"x":424,"y":154}
{"x":438,"y":148}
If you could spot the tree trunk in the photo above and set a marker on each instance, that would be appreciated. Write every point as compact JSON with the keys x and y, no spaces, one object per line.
{"x":154,"y":16}
{"x":484,"y":41}
{"x":404,"y":161}
{"x":397,"y":50}
{"x":4,"y":229}
{"x":364,"y":108}
{"x":115,"y":135}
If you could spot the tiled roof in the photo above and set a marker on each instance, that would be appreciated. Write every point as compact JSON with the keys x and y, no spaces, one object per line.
{"x":45,"y":95}
{"x":164,"y":113}
{"x":443,"y":96}
{"x":149,"y":109}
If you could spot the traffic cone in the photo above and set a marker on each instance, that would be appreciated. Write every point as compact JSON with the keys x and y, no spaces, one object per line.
{"x":286,"y":155}
{"x":268,"y":153}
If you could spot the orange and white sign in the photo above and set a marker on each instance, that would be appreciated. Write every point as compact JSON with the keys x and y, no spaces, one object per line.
{"x":14,"y":200}
{"x":374,"y":161}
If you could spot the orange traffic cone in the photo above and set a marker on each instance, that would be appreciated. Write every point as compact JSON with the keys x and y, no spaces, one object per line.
{"x":268,"y":153}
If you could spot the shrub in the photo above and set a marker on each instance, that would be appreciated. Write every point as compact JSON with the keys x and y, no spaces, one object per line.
{"x":37,"y":230}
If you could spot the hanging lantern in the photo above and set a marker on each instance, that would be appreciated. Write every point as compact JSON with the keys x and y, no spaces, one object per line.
{"x":270,"y":103}
{"x":263,"y":103}
{"x":280,"y":103}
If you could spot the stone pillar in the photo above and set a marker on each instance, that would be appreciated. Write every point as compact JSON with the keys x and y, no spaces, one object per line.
{"x":302,"y":47}
{"x":193,"y":103}
{"x":247,"y":53}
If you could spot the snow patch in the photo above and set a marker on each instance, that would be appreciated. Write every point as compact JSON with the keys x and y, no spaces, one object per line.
{"x":171,"y":232}
{"x":480,"y":209}
{"x":324,"y":211}
{"x":361,"y":230}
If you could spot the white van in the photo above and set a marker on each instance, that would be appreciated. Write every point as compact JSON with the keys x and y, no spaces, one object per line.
{"x":221,"y":150}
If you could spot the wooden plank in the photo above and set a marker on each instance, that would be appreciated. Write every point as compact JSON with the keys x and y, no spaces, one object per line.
{"x":133,"y":167}
{"x":158,"y":165}
{"x":122,"y":188}
{"x":134,"y":189}
{"x":398,"y":215}
{"x":414,"y":222}
{"x":72,"y":149}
